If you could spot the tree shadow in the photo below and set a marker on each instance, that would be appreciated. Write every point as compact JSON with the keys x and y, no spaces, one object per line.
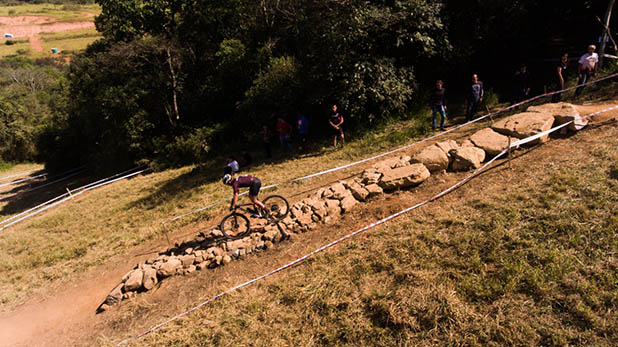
{"x":22,"y":200}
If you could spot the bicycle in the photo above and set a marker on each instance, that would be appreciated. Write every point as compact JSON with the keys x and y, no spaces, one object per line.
{"x":236,"y":225}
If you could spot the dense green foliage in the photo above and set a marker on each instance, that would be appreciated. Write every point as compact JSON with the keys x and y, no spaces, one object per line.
{"x":173,"y":81}
{"x":31,"y":97}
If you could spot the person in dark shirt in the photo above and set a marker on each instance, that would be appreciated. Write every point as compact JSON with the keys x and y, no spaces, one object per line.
{"x":251,"y":182}
{"x":246,"y":160}
{"x":521,"y":84}
{"x":474,"y":98}
{"x":438,"y":105}
{"x":335,"y":119}
{"x":302,"y":126}
{"x":561,"y":70}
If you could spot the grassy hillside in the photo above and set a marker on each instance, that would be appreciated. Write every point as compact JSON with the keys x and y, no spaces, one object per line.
{"x":61,"y":13}
{"x":521,"y":256}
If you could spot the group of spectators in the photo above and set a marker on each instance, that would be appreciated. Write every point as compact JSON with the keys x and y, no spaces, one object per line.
{"x":587,"y":68}
{"x":284,"y":130}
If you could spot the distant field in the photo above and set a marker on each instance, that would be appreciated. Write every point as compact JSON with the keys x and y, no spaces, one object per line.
{"x":62,"y":13}
{"x":43,"y":24}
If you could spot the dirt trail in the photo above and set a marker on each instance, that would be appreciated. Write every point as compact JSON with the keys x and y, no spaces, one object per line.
{"x":65,"y":315}
{"x":35,"y":43}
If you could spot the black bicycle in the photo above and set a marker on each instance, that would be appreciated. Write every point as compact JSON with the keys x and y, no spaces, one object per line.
{"x":236,"y":225}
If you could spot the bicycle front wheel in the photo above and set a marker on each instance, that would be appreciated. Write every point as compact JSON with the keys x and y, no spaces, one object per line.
{"x":235,"y":226}
{"x":277,"y":207}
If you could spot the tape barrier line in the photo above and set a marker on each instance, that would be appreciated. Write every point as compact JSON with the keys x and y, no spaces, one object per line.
{"x":41,"y":175}
{"x":65,"y":197}
{"x":43,"y":186}
{"x":348,"y":236}
{"x":491,"y":114}
{"x":20,"y":180}
{"x":66,"y":194}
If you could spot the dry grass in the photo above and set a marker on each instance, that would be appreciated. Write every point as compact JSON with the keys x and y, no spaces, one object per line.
{"x":530,"y":262}
{"x":87,"y":231}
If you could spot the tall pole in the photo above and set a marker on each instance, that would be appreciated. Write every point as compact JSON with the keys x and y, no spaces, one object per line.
{"x":608,"y":14}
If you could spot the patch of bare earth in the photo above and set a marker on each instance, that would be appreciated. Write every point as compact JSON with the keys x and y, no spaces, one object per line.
{"x":32,"y":26}
{"x":65,"y":313}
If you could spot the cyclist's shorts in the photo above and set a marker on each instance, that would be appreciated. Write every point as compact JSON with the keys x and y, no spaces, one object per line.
{"x":254,"y":190}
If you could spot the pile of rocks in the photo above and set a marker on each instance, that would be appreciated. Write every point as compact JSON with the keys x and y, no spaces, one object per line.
{"x":327,"y":204}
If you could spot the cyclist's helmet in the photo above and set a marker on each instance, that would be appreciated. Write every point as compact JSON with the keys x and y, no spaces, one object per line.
{"x":227,"y":178}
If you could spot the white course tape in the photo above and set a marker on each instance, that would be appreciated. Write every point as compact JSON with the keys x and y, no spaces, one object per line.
{"x":48,"y":204}
{"x":394,"y":150}
{"x":20,"y":180}
{"x":65,"y":194}
{"x":370,"y":226}
{"x":43,"y":185}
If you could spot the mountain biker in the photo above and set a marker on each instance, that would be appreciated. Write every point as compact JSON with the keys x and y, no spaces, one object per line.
{"x":254,"y":185}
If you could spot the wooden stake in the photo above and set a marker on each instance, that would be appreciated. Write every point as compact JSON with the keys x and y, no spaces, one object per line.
{"x":68,"y":191}
{"x":508,"y":153}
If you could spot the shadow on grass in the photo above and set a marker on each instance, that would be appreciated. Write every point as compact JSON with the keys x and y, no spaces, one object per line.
{"x":25,"y":200}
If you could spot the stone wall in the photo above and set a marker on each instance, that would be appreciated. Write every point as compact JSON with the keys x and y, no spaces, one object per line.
{"x":210,"y":250}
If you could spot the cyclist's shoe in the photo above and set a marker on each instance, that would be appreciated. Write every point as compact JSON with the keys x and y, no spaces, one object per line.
{"x":257,"y":215}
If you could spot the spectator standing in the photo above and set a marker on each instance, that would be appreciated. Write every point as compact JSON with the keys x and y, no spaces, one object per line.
{"x":302,"y":126}
{"x":284,"y":129}
{"x":267,"y":137}
{"x":438,"y":105}
{"x":335,"y":120}
{"x":246,"y":160}
{"x":561,"y":70}
{"x":474,"y":98}
{"x":587,"y":68}
{"x":521,"y":84}
{"x":232,"y":163}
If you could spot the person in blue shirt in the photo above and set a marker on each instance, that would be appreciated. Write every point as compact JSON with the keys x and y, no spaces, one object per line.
{"x":302,"y":126}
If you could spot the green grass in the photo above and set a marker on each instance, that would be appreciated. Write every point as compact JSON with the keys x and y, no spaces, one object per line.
{"x":19,"y":49}
{"x":528,"y":262}
{"x":60,"y":13}
{"x":70,"y":35}
{"x":69,"y":46}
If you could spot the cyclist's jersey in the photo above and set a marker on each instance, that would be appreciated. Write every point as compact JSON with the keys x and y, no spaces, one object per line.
{"x":242,"y":182}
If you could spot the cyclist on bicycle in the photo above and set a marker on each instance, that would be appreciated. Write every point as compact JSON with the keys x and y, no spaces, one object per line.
{"x":254,"y":185}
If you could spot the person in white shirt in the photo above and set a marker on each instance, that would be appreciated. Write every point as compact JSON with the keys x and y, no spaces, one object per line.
{"x":231,"y":162}
{"x":588,"y":65}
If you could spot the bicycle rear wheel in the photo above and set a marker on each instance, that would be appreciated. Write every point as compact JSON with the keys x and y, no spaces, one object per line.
{"x":235,"y":226}
{"x":277,"y":207}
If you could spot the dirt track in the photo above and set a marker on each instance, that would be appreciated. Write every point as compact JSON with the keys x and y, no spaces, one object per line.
{"x":65,"y":314}
{"x":31,"y":26}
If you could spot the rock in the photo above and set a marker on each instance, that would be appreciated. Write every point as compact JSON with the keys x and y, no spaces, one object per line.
{"x":150,"y":278}
{"x":525,"y":124}
{"x":189,"y":250}
{"x":268,"y":245}
{"x":339,"y":191}
{"x":216,"y":233}
{"x":115,"y":296}
{"x":129,"y":295}
{"x":467,"y":143}
{"x":563,"y":113}
{"x":190,"y":269}
{"x":305,"y":222}
{"x":332,"y":207}
{"x":134,"y":282}
{"x":202,"y":265}
{"x":214,"y":251}
{"x":466,"y":158}
{"x":169,"y":268}
{"x":490,"y":141}
{"x":347,"y":203}
{"x":218,"y":259}
{"x":374,"y":189}
{"x":151,"y":260}
{"x":404,"y":177}
{"x":187,"y":260}
{"x":434,"y":158}
{"x":357,"y":190}
{"x":370,"y":176}
{"x":260,"y":245}
{"x":234,"y":245}
{"x":103,"y":308}
{"x":226,"y":259}
{"x":271,"y":233}
{"x":446,"y":147}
